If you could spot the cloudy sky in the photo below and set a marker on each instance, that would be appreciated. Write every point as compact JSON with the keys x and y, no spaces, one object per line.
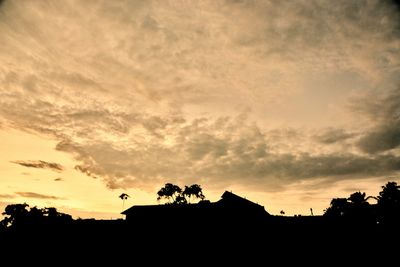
{"x":287,"y":103}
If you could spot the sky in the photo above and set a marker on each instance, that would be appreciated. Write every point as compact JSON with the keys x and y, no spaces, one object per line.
{"x":286,"y":103}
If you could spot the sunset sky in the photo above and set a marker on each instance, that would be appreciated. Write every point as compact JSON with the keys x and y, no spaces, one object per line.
{"x":286,"y":103}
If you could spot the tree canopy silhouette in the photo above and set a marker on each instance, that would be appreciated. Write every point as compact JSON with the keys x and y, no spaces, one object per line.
{"x":338,"y":207}
{"x":169,"y":192}
{"x":358,"y":199}
{"x":19,"y":215}
{"x":389,"y":203}
{"x":175,"y":195}
{"x":193,"y":191}
{"x":357,"y":208}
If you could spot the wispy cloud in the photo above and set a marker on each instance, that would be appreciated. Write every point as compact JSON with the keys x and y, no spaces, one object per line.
{"x":40,"y":164}
{"x":6,"y":196}
{"x":85,"y":170}
{"x":35,"y":195}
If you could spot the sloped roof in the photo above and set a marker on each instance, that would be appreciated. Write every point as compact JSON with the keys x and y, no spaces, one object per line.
{"x":231,"y":197}
{"x":141,"y":207}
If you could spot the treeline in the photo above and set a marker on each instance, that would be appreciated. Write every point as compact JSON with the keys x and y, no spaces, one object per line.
{"x":21,"y":215}
{"x":175,"y":195}
{"x":356,"y":207}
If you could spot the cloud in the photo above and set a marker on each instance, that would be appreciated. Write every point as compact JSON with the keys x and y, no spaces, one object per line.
{"x":35,"y":195}
{"x":196,"y":41}
{"x":218,"y":153}
{"x":331,"y":136}
{"x":382,"y":138}
{"x":40,"y":164}
{"x":384,"y":114}
{"x":336,"y":165}
{"x":6,"y":196}
{"x":143,"y":92}
{"x":85,"y":171}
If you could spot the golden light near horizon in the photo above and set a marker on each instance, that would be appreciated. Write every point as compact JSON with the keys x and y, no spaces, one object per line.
{"x":286,"y":103}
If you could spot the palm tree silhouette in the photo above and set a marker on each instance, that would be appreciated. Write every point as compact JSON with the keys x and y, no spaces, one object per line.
{"x":124,"y":197}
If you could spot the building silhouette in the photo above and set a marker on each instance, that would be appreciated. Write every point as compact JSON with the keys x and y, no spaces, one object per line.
{"x":230,"y":207}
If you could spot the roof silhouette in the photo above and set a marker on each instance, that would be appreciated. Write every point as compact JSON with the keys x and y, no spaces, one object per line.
{"x":230,"y":206}
{"x":233,"y":199}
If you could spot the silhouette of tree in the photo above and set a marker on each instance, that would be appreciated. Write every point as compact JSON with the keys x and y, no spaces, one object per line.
{"x":193,"y":190}
{"x":54,"y":216}
{"x":360,"y":211}
{"x":187,"y":192}
{"x":51,"y":212}
{"x":390,"y":195}
{"x":355,"y":209}
{"x":169,"y":192}
{"x":338,"y":207}
{"x":175,"y":195}
{"x":17,"y":213}
{"x":358,"y":199}
{"x":124,"y":197}
{"x":35,"y":215}
{"x":389,"y":203}
{"x":180,"y":199}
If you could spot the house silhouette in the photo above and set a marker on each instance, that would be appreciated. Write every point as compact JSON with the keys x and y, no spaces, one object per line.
{"x":230,"y":207}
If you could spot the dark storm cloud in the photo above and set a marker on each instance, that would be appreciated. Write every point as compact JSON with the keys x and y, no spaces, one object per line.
{"x":384,"y":113}
{"x":35,"y":195}
{"x":40,"y":164}
{"x":382,"y":138}
{"x":397,"y":3}
{"x":331,"y":136}
{"x":336,"y":165}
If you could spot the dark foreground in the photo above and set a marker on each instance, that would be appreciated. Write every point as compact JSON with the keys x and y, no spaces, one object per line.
{"x":276,"y":239}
